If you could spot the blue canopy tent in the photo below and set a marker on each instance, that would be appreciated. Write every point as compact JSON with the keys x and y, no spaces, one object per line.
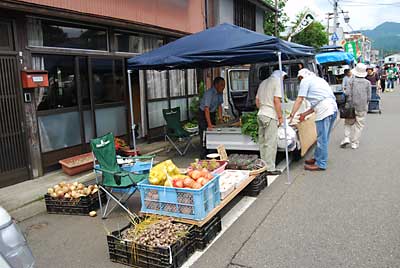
{"x":223,"y":45}
{"x":335,"y":57}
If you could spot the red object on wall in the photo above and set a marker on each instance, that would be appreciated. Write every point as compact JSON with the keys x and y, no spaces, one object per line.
{"x":33,"y":79}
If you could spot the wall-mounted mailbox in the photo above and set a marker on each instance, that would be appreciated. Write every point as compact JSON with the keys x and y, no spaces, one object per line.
{"x":33,"y":79}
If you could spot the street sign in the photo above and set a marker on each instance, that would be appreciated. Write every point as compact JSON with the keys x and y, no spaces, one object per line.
{"x":334,"y":37}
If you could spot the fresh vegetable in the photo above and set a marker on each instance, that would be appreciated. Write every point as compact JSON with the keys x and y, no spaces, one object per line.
{"x":120,"y":143}
{"x":190,"y":125}
{"x":155,"y":232}
{"x":92,"y":213}
{"x":71,"y":190}
{"x":210,"y":165}
{"x":158,"y":174}
{"x":250,"y":125}
{"x":245,"y":162}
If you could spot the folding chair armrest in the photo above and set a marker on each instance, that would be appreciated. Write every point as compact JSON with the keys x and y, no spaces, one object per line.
{"x":141,"y":157}
{"x":117,"y":174}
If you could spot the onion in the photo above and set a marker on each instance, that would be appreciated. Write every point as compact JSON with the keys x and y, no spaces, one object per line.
{"x":62,"y":184}
{"x":67,"y":195}
{"x":92,"y":213}
{"x":54,"y":195}
{"x":75,"y":184}
{"x":94,"y":191}
{"x":56,"y":187}
{"x":65,"y":189}
{"x":60,"y":194}
{"x":81,"y":186}
{"x":50,"y":190}
{"x":72,"y":188}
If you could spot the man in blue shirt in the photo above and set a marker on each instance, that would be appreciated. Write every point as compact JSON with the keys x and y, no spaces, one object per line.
{"x":320,"y":95}
{"x":210,"y":104}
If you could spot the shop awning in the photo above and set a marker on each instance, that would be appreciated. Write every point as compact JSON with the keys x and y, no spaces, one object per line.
{"x":223,"y":45}
{"x":335,"y":57}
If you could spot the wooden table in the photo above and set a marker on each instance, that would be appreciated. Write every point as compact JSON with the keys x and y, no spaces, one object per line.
{"x":223,"y":203}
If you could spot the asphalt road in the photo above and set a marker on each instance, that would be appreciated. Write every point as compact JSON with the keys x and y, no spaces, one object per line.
{"x":347,"y":216}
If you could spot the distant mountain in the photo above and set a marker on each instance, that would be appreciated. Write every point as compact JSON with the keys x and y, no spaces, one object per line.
{"x":385,"y":36}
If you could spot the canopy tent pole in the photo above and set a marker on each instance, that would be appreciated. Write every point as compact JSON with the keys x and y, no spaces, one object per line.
{"x":284,"y":119}
{"x":131,"y":109}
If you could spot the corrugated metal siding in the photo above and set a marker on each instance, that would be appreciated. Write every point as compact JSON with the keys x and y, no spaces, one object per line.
{"x":181,"y":15}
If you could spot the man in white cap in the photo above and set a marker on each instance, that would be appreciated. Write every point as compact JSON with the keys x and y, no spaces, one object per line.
{"x":358,"y":94}
{"x":268,"y":101}
{"x":323,"y":102}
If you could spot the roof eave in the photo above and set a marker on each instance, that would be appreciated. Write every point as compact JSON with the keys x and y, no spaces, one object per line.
{"x":264,"y":6}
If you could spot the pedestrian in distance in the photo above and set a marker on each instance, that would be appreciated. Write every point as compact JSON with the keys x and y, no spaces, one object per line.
{"x":391,"y":77}
{"x":358,"y":95}
{"x":323,"y":102}
{"x":269,"y":117}
{"x":347,"y":77}
{"x":372,"y":77}
{"x":210,"y":105}
{"x":382,"y":77}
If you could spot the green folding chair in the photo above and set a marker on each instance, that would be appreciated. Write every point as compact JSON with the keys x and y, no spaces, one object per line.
{"x":174,"y":131}
{"x":118,"y":184}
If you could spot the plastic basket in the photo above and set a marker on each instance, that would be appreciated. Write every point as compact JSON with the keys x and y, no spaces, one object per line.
{"x":180,"y":202}
{"x":135,"y":255}
{"x":204,"y":235}
{"x":256,"y":186}
{"x":81,"y":206}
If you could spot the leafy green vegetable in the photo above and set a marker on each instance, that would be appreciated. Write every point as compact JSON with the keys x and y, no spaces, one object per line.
{"x":250,"y":125}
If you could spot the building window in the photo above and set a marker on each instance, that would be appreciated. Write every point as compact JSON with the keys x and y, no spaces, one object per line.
{"x":63,"y":35}
{"x":61,"y":92}
{"x":6,"y":40}
{"x":108,"y":81}
{"x":244,"y":14}
{"x":128,"y":43}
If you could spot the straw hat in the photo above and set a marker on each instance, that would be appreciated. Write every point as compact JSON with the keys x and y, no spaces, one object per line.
{"x":360,"y":70}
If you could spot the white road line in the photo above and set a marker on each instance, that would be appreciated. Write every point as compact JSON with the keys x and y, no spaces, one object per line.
{"x":229,"y":218}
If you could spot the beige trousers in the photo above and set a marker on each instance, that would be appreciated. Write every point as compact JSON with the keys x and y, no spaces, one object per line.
{"x":354,"y":127}
{"x":268,"y":140}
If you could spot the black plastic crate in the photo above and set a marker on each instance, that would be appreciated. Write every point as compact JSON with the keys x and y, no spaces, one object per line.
{"x":135,"y":255}
{"x":205,"y":234}
{"x":256,"y":186}
{"x":81,"y":206}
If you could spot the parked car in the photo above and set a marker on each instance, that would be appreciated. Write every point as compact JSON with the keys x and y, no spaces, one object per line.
{"x":14,"y":250}
{"x":242,"y":83}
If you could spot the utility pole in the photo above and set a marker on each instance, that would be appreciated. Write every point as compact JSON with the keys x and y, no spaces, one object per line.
{"x":276,"y":18}
{"x":335,"y":18}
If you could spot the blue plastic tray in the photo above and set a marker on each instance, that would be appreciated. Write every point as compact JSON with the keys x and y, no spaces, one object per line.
{"x":180,"y":202}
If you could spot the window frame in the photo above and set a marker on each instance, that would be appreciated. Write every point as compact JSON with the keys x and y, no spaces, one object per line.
{"x":77,"y":25}
{"x":10,"y":33}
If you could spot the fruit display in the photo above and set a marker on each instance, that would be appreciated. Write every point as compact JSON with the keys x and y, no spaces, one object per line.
{"x":155,"y":232}
{"x":167,"y":174}
{"x":210,"y":165}
{"x":245,"y":162}
{"x":71,"y":190}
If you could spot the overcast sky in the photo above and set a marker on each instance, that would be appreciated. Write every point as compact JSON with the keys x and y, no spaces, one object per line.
{"x":364,"y":14}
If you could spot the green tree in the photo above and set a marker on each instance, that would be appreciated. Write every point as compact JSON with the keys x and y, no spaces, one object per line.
{"x":269,"y":18}
{"x":314,"y":35}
